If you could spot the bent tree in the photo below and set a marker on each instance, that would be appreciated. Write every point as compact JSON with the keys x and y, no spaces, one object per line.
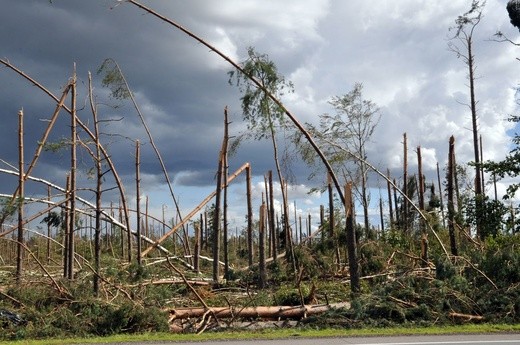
{"x":257,"y":84}
{"x":262,"y":115}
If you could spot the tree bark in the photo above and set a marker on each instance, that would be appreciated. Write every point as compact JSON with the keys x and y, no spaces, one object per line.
{"x":250,"y":252}
{"x":473,"y":107}
{"x":73,"y":164}
{"x":273,"y":312}
{"x":441,"y":199}
{"x":390,"y":203}
{"x":216,"y":215}
{"x":196,"y":253}
{"x":99,"y":183}
{"x":451,"y":202}
{"x":138,"y":200}
{"x":261,"y":247}
{"x":272,"y":227}
{"x":21,"y":195}
{"x":351,"y":241}
{"x":225,"y":172}
{"x":405,"y":183}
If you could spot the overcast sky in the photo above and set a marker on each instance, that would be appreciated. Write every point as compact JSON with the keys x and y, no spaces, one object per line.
{"x":397,"y":49}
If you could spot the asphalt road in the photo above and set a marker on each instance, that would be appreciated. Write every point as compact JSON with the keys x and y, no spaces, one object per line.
{"x":475,"y":339}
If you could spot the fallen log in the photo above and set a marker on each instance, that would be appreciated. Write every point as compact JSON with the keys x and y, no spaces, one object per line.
{"x":271,"y":313}
{"x":170,"y":282}
{"x":466,"y":317}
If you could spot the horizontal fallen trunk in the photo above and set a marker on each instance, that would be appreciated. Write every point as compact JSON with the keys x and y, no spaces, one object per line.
{"x":275,"y":312}
{"x":170,"y":282}
{"x":467,"y":317}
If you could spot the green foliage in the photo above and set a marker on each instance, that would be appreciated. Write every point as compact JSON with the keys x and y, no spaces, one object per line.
{"x":277,"y":272}
{"x":444,"y":268}
{"x":510,"y":166}
{"x":49,"y":313}
{"x":289,"y":295}
{"x":492,"y":215}
{"x":501,"y":259}
{"x":343,"y":136}
{"x":54,"y":219}
{"x":260,"y":112}
{"x":113,"y":78}
{"x":311,"y":264}
{"x":8,"y":207}
{"x":137,"y":272}
{"x":371,"y":260}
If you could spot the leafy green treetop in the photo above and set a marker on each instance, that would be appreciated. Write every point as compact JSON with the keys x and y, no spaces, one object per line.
{"x":259,"y":111}
{"x":510,"y":166}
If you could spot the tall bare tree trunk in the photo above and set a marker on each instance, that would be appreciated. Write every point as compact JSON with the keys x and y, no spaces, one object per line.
{"x":216,"y":217}
{"x":146,"y":218}
{"x":269,"y":249}
{"x":331,"y":208}
{"x":390,"y":203}
{"x":365,"y":198}
{"x":351,"y":241}
{"x":261,"y":247}
{"x":73,"y":164}
{"x":421,"y":181}
{"x":249,"y":217}
{"x":451,"y":202}
{"x":301,"y":231}
{"x":483,"y":182}
{"x":48,"y":229}
{"x":397,"y":214}
{"x":272,"y":227}
{"x":288,"y":233}
{"x":21,"y":195}
{"x":99,"y":182}
{"x":202,"y":227}
{"x":422,"y":221}
{"x":405,"y":183}
{"x":66,"y":230}
{"x":138,"y":200}
{"x":206,"y":231}
{"x":474,"y":124}
{"x":225,"y":172}
{"x":441,"y":199}
{"x":196,"y":250}
{"x":381,"y":216}
{"x":309,"y":229}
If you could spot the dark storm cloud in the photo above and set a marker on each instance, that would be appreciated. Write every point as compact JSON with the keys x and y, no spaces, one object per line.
{"x":396,"y":49}
{"x":183,"y":102}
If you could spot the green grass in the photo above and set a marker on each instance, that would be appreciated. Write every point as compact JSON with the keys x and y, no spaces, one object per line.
{"x":277,"y":334}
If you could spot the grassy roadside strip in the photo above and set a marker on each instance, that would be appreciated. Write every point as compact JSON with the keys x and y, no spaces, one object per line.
{"x":277,"y":334}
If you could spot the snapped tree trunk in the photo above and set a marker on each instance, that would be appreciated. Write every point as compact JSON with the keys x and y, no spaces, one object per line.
{"x":422,"y":221}
{"x":450,"y":177}
{"x":272,"y":227}
{"x":405,"y":216}
{"x":21,"y":191}
{"x":351,"y":241}
{"x":99,"y":182}
{"x":390,"y":204}
{"x":225,"y":172}
{"x":73,"y":164}
{"x":262,"y":277}
{"x":441,"y":199}
{"x":249,"y":217}
{"x":216,"y":216}
{"x":138,"y":200}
